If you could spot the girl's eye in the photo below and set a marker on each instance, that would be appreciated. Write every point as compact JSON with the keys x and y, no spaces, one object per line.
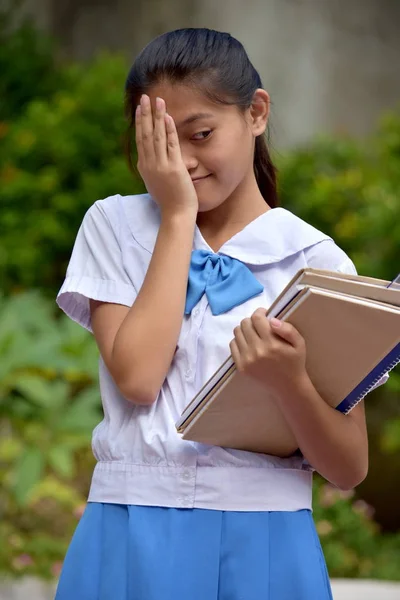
{"x":202,"y":135}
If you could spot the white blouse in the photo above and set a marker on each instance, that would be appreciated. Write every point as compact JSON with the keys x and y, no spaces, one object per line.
{"x":141,"y":459}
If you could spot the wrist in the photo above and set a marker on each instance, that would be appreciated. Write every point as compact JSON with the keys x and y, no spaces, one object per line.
{"x":178,"y":229}
{"x":297,"y":386}
{"x":178,"y":216}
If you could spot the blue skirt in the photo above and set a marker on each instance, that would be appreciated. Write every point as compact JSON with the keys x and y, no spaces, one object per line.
{"x":124,"y":552}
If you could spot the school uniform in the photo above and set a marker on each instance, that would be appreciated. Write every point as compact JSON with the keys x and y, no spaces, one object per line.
{"x":173,"y":519}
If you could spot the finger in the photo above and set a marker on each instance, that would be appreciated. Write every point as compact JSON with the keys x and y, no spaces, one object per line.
{"x":235,"y":354}
{"x":240,"y":339}
{"x":174,"y":149}
{"x":261,"y":323}
{"x":138,"y":132}
{"x":160,"y":133}
{"x":250,"y":334}
{"x":287,"y":332}
{"x":147,"y":128}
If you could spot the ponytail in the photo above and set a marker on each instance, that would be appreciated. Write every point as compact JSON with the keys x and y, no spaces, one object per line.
{"x":265,"y":172}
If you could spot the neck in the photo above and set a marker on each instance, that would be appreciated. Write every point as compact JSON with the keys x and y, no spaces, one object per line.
{"x":243,"y":206}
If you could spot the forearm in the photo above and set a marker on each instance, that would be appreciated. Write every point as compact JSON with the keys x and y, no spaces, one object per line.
{"x":145,"y":343}
{"x":332,"y":443}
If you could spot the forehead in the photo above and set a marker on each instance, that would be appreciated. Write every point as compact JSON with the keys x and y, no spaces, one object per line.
{"x":182,"y":101}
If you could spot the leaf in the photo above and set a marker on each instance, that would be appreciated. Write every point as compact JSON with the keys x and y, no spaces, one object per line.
{"x":10,"y":448}
{"x":66,"y":496}
{"x":83,"y":414}
{"x":391,"y":436}
{"x":89,"y":397}
{"x":41,"y":392}
{"x":78,"y":418}
{"x":61,"y":459}
{"x":28,"y":473}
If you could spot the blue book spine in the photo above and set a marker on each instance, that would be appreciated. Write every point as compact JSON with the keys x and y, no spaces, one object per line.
{"x":387,"y":364}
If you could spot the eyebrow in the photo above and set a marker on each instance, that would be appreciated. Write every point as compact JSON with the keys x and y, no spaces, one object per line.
{"x":192,"y":118}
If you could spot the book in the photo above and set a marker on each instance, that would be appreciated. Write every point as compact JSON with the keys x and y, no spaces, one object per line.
{"x":351,"y":325}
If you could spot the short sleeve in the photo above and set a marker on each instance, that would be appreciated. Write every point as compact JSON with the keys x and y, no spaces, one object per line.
{"x":327,"y":255}
{"x":95,"y":270}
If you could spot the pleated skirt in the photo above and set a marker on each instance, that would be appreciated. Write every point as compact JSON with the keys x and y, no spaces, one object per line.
{"x":124,"y":552}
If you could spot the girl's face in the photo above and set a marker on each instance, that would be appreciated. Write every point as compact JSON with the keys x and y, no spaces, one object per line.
{"x":217,"y":141}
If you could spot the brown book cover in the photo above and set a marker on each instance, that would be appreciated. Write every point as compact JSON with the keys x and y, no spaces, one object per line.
{"x":347,"y":337}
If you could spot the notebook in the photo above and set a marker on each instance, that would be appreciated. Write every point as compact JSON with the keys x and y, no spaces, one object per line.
{"x":351,"y":325}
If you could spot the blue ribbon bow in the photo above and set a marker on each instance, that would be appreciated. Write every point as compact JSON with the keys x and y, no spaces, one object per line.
{"x":226,"y":281}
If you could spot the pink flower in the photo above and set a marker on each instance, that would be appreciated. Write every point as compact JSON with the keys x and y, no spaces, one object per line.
{"x":362,"y":508}
{"x":15,"y":541}
{"x":22,"y":561}
{"x":324,"y":527}
{"x":330,"y":494}
{"x":56,"y":569}
{"x":79,"y":510}
{"x":327,"y":496}
{"x":346,"y":494}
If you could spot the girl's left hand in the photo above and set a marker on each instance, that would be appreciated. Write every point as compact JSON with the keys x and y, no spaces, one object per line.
{"x":271,"y":351}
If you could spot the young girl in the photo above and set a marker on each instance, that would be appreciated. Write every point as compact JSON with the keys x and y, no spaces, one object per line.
{"x":170,"y":283}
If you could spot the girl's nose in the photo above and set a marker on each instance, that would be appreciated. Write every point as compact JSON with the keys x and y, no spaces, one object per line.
{"x":190,"y":161}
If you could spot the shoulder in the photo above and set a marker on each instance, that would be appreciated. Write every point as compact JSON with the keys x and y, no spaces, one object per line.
{"x":133,"y":215}
{"x":328,"y":255}
{"x":320,"y":250}
{"x":286,"y":234}
{"x":138,"y":207}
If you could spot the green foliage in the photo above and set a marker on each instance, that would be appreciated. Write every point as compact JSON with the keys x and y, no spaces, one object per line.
{"x":61,"y":155}
{"x":49,"y":405}
{"x":350,"y":190}
{"x":352,"y":543}
{"x":391,"y":435}
{"x":27,"y":64}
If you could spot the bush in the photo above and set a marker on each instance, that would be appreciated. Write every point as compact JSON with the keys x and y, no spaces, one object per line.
{"x":49,"y":404}
{"x":350,"y":190}
{"x":28,"y":64}
{"x":59,"y":157}
{"x":351,"y":540}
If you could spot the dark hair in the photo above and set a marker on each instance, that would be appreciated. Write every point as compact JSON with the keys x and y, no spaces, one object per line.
{"x":216,"y":63}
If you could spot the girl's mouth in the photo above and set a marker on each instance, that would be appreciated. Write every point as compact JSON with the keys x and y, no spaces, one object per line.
{"x":199,"y":179}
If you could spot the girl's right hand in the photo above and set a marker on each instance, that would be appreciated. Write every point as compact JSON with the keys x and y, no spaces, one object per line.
{"x":160,"y":161}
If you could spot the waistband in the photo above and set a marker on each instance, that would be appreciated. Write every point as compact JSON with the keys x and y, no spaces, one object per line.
{"x":214,"y":488}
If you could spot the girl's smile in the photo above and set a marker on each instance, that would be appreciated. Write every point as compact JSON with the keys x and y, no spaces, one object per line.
{"x":198,"y":180}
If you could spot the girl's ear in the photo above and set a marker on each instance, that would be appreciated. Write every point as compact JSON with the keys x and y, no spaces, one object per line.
{"x":259,"y":111}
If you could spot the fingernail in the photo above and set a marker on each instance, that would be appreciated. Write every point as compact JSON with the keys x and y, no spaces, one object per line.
{"x":159,"y":103}
{"x":275,"y":322}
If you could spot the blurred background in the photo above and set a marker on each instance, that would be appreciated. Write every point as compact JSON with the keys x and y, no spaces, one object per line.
{"x":331,"y":69}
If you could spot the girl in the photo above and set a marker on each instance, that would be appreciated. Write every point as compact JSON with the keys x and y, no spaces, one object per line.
{"x":170,"y":283}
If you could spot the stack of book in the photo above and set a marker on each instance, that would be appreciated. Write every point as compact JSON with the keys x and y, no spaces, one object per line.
{"x":351,"y":326}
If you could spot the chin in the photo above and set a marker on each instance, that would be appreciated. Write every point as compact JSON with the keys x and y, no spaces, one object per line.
{"x":209,"y":204}
{"x":204,"y":207}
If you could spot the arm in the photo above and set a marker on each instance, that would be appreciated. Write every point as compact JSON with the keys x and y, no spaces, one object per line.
{"x":274,"y":353}
{"x":336,"y":445}
{"x":138,"y":344}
